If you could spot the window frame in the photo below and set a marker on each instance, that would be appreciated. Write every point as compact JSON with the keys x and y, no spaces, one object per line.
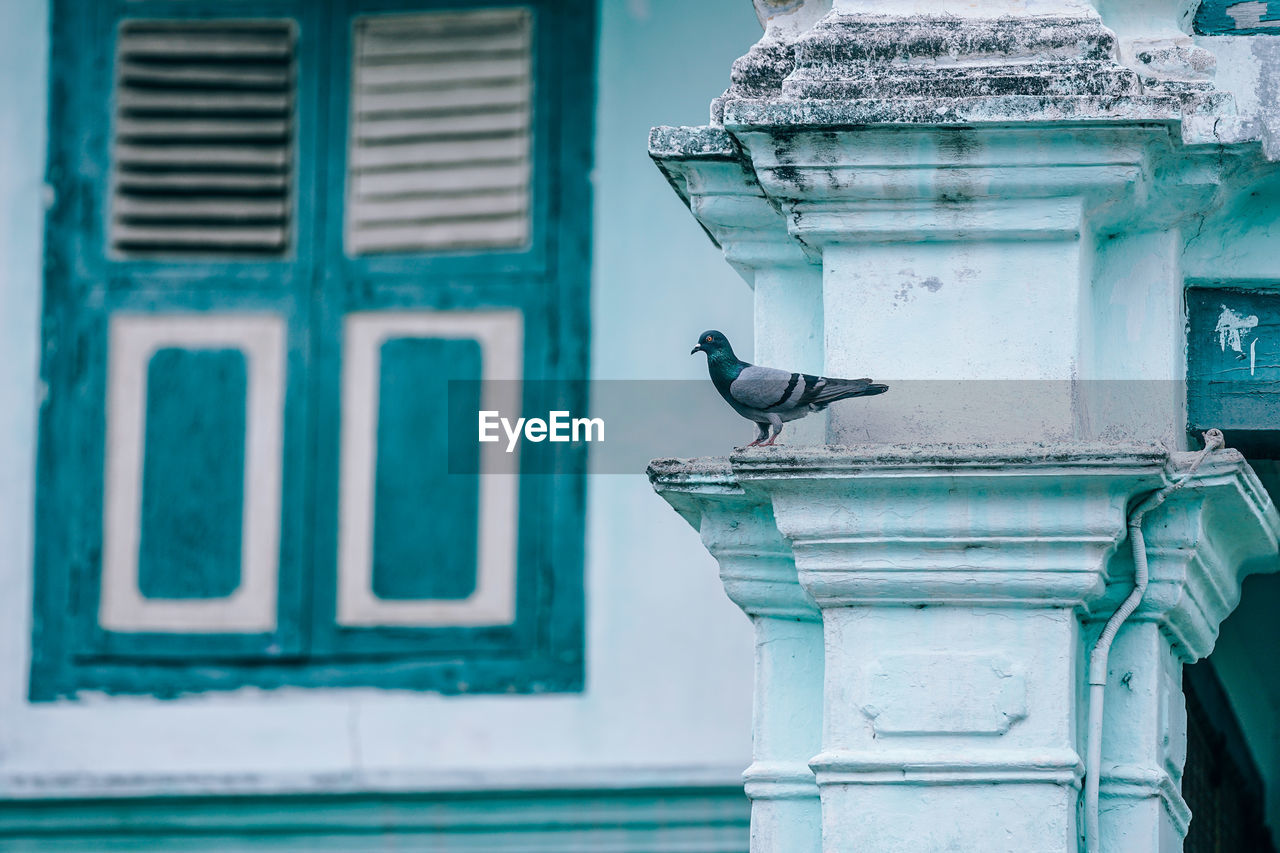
{"x":548,"y":281}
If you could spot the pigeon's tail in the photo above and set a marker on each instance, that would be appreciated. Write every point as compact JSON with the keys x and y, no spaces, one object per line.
{"x":842,"y":389}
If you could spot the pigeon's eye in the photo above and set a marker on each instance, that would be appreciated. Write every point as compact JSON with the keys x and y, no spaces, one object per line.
{"x":708,"y":339}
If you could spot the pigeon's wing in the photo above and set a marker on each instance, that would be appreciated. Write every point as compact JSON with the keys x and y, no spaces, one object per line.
{"x":825,"y":390}
{"x":769,"y":389}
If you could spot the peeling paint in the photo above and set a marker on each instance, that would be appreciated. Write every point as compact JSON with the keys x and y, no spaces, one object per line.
{"x":1232,"y":327}
{"x":903,"y":294}
{"x":1249,"y":15}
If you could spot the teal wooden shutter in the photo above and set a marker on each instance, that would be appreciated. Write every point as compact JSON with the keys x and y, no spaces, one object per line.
{"x":173,"y":434}
{"x":278,"y":226}
{"x":461,"y":255}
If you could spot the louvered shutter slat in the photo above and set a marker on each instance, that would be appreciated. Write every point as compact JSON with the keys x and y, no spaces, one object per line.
{"x":429,"y":49}
{"x":503,"y":231}
{"x":165,"y":103}
{"x":179,"y":238}
{"x":196,"y":130}
{"x":268,"y":158}
{"x":142,"y":209}
{"x":181,"y":41}
{"x":444,"y":72}
{"x":456,"y":99}
{"x":193,"y":185}
{"x":428,"y":154}
{"x":448,"y":126}
{"x":412,"y":209}
{"x":440,"y":141}
{"x":441,"y":181}
{"x":203,"y":138}
{"x":222,"y":76}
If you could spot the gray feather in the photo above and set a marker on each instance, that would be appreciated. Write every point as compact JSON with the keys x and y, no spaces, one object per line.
{"x":764,"y":387}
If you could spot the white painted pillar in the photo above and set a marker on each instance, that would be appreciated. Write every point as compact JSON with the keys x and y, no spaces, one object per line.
{"x":956,"y":267}
{"x":996,"y":194}
{"x":759,"y":576}
{"x":948,"y":581}
{"x":789,"y":331}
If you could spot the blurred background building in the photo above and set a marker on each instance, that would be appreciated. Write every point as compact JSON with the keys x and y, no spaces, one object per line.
{"x":237,"y":231}
{"x":244,"y":245}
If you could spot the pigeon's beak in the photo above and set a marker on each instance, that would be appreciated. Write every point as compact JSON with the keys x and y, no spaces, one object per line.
{"x":698,"y":348}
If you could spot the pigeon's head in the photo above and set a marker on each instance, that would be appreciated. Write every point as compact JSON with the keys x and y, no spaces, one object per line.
{"x":712,"y":343}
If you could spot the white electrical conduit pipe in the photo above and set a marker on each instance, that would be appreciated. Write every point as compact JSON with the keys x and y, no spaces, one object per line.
{"x":1213,"y":439}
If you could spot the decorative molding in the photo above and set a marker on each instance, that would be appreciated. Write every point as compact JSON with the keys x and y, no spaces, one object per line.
{"x":133,"y":340}
{"x":1201,"y":544}
{"x":707,"y":171}
{"x":986,"y":693}
{"x":1052,"y":551}
{"x":500,"y":335}
{"x":653,"y":820}
{"x":1133,"y":783}
{"x":780,"y":780}
{"x":759,"y":575}
{"x":920,"y":766}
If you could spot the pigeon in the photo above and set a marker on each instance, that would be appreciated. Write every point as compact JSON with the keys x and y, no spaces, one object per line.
{"x":770,"y":396}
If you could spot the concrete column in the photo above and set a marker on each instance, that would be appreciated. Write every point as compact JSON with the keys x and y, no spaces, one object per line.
{"x":949,"y":581}
{"x":759,"y":576}
{"x":957,"y":267}
{"x":997,"y":196}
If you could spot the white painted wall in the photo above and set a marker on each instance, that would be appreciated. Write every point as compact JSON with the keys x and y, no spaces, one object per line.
{"x":668,"y":694}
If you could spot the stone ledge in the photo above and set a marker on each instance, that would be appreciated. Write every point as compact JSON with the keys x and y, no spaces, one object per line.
{"x":1003,"y":109}
{"x":709,"y":143}
{"x":926,"y":767}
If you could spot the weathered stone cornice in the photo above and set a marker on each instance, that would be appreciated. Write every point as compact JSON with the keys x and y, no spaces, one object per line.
{"x":875,"y":525}
{"x":715,"y":180}
{"x":933,"y":459}
{"x":932,"y":58}
{"x":1219,"y":528}
{"x":1008,"y":109}
{"x":1055,"y":515}
{"x":738,"y":528}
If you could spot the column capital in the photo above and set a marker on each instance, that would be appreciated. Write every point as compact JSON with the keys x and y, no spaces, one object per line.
{"x":739,"y":530}
{"x":708,"y":171}
{"x":1220,"y":527}
{"x":1001,"y":526}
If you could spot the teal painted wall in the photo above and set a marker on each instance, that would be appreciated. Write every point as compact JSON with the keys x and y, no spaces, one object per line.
{"x":690,"y":820}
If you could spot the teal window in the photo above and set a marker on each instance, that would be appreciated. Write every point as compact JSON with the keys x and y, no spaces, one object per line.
{"x":279,"y":229}
{"x":1232,"y":368}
